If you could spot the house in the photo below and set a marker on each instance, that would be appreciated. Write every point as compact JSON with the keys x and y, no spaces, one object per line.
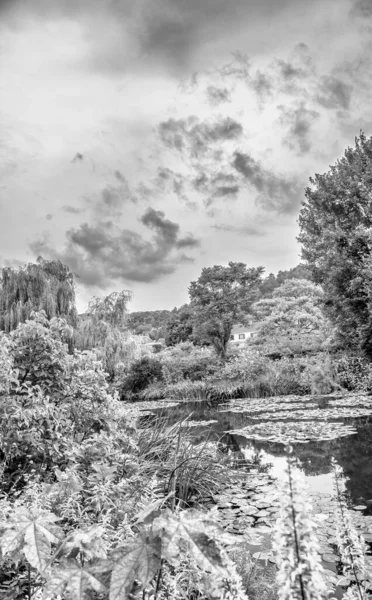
{"x":241,"y":333}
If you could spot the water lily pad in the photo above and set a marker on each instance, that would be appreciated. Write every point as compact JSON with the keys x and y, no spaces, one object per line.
{"x":297,"y":432}
{"x":333,"y":558}
{"x":320,"y":517}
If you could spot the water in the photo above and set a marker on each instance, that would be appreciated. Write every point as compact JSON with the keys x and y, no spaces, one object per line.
{"x":353,"y":452}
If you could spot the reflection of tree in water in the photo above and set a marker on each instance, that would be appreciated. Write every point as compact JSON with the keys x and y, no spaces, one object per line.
{"x":355,"y":457}
{"x":353,"y":453}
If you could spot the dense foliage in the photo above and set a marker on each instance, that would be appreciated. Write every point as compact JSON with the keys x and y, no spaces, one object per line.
{"x":292,"y":320}
{"x":221,"y":297}
{"x":104,"y":328}
{"x":335,"y":233}
{"x":46,"y":285}
{"x":272,"y":282}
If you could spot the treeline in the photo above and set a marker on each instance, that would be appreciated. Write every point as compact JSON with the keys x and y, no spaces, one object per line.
{"x":176,"y":326}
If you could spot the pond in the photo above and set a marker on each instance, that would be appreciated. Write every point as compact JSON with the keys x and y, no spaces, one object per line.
{"x":318,"y":428}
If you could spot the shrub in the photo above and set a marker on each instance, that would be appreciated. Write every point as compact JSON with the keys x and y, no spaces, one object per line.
{"x":142,"y":372}
{"x":186,"y":361}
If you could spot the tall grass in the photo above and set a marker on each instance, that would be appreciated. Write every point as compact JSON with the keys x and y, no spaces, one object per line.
{"x":193,"y":471}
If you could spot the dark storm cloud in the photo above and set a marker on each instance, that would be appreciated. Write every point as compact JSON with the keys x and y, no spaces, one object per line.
{"x":197,"y":136}
{"x":300,"y":121}
{"x":276,"y":192}
{"x":334,"y":93}
{"x":217,"y":95}
{"x":244,"y":229}
{"x":102,"y":254}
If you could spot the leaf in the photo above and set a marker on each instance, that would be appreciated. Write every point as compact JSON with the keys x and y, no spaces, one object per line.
{"x":140,"y":560}
{"x":72,"y":578}
{"x":88,"y":541}
{"x":152,"y":510}
{"x":36,"y":532}
{"x":189,"y":530}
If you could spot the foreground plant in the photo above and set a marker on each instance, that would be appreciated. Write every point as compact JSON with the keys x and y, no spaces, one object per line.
{"x":300,"y":574}
{"x":77,"y":563}
{"x":351,"y":545}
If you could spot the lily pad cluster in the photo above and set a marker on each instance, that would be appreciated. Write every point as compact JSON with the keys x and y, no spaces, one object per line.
{"x":284,"y":432}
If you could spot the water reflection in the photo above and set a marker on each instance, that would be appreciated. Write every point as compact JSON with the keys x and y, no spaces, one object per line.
{"x":353,"y":453}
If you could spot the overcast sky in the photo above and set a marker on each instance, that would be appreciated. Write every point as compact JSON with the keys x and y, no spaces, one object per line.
{"x":142,"y":140}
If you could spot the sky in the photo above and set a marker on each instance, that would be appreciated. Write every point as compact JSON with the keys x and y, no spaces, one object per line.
{"x":143,"y":140}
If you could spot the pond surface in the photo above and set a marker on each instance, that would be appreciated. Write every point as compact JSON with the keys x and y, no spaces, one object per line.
{"x":318,"y":428}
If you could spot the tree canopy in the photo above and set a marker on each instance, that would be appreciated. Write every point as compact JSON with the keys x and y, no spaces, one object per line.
{"x":45,"y":286}
{"x":221,"y":297}
{"x":335,"y":232}
{"x":293,"y":320}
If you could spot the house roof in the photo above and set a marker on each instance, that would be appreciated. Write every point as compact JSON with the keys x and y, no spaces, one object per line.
{"x":239,"y":328}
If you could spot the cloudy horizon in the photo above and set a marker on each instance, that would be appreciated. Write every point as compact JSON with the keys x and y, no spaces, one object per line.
{"x":144,"y":140}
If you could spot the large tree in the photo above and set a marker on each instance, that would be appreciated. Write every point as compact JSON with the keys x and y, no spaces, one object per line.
{"x":335,"y":232}
{"x":221,"y":297}
{"x":292,"y":320}
{"x":46,"y":285}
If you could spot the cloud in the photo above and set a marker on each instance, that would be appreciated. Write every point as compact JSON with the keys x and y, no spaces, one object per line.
{"x":362,"y":8}
{"x":169,"y":180}
{"x":334,"y":93}
{"x":103,"y":254}
{"x":217,"y":95}
{"x":168,"y":33}
{"x":262,"y":85}
{"x":72,"y":209}
{"x":197,"y":136}
{"x":112,"y":199}
{"x":275,"y":192}
{"x":290,"y":71}
{"x":216,"y":185}
{"x":119,"y":176}
{"x":300,"y":120}
{"x":167,"y":231}
{"x":244,"y":229}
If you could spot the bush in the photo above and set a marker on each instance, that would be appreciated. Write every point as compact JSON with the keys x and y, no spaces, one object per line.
{"x":187,"y":362}
{"x":142,"y":373}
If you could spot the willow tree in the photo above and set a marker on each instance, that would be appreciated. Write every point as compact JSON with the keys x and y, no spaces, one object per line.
{"x":44,"y":285}
{"x":103,"y":329}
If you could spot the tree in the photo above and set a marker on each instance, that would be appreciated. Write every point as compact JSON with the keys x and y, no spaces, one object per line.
{"x":292,"y":320}
{"x":179,"y":327}
{"x":112,"y":308}
{"x":272,"y":282}
{"x":103,"y":328}
{"x":46,"y":285}
{"x":221,"y":297}
{"x":335,"y":232}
